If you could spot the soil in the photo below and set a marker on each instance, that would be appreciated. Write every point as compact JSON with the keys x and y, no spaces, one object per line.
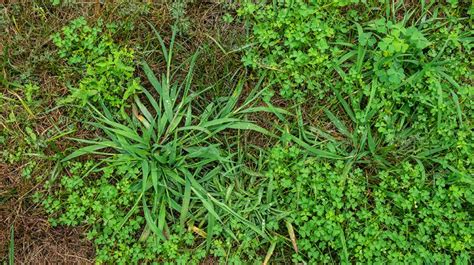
{"x":35,"y":241}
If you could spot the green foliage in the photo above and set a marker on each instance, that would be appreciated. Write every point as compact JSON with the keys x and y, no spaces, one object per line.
{"x":177,"y":11}
{"x":294,"y":41}
{"x":227,"y":18}
{"x":414,"y":97}
{"x":104,"y":200}
{"x":107,"y":70}
{"x":416,"y":85}
{"x":164,"y":168}
{"x":404,"y":84}
{"x":397,"y":215}
{"x":31,"y":90}
{"x":14,"y":152}
{"x":379,"y":170}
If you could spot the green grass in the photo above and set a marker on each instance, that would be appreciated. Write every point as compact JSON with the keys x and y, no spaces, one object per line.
{"x":11,"y":253}
{"x":176,"y":147}
{"x":279,"y":132}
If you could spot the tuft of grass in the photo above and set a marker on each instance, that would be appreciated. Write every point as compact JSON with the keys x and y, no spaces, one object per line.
{"x":178,"y":149}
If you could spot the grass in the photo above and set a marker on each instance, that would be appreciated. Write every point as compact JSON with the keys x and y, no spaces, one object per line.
{"x":11,"y":253}
{"x":174,"y":147}
{"x":283,"y":132}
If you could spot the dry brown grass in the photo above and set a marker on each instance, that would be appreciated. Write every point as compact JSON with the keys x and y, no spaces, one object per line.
{"x":36,"y":242}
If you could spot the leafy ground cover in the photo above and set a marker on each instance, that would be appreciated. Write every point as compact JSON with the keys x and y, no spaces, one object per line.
{"x":237,"y":132}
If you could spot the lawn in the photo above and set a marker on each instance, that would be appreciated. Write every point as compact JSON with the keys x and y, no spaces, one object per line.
{"x":237,"y":132}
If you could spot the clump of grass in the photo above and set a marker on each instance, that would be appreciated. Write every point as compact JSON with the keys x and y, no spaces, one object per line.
{"x":167,"y":158}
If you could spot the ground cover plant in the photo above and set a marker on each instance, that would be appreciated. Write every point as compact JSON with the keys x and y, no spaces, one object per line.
{"x":397,"y":215}
{"x":237,"y":132}
{"x":108,"y":69}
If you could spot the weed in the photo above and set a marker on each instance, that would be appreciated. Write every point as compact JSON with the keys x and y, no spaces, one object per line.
{"x":397,"y":215}
{"x":178,"y":14}
{"x":292,"y":42}
{"x":167,"y":159}
{"x":108,"y":69}
{"x":373,"y":163}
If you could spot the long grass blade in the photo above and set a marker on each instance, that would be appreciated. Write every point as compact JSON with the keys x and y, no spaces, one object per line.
{"x":458,"y":107}
{"x":162,"y":43}
{"x":211,"y":222}
{"x":186,"y":202}
{"x":269,"y":253}
{"x":248,"y":126}
{"x":84,"y":151}
{"x":291,"y":233}
{"x":11,"y":254}
{"x":338,"y":123}
{"x":152,"y":78}
{"x":313,"y":150}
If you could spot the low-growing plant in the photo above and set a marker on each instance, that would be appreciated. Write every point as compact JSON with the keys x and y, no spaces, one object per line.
{"x":294,"y":42}
{"x":105,"y":201}
{"x":106,"y":69}
{"x":178,"y":11}
{"x":401,"y":214}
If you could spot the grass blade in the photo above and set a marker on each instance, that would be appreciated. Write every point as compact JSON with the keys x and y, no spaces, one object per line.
{"x":346,"y":107}
{"x":198,"y":190}
{"x":211,"y":222}
{"x":167,"y":102}
{"x":248,"y":126}
{"x":150,"y":222}
{"x":151,"y":77}
{"x":345,"y":254}
{"x":84,"y":151}
{"x":238,"y":216}
{"x":269,"y":253}
{"x":162,"y":217}
{"x":144,"y":110}
{"x":162,"y":43}
{"x":221,"y":121}
{"x":338,"y":123}
{"x":186,"y":201}
{"x":11,"y":255}
{"x":232,"y":100}
{"x":313,"y":150}
{"x":154,"y":176}
{"x":458,"y":107}
{"x":291,"y":233}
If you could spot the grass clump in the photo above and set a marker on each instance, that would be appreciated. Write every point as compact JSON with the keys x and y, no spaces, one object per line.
{"x":163,"y":170}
